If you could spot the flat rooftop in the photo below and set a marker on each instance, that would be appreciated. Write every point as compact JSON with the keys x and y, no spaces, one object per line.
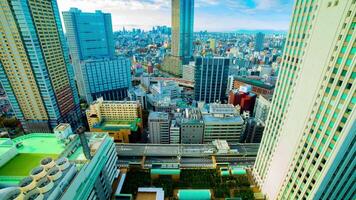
{"x":42,"y":143}
{"x":117,"y":125}
{"x":209,"y":119}
{"x":25,"y":153}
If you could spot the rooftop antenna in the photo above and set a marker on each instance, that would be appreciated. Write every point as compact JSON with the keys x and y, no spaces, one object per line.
{"x":83,"y":140}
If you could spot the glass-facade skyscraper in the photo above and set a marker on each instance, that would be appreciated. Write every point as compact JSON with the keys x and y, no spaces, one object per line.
{"x":308,"y":147}
{"x":211,"y":75}
{"x":98,"y":72}
{"x":34,"y":68}
{"x":259,"y":41}
{"x":182,"y":28}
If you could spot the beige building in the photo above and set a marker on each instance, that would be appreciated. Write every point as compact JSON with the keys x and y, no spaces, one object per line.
{"x":119,"y":118}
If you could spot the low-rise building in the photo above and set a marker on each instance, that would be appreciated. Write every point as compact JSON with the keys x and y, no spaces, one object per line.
{"x":222,"y":122}
{"x":121,"y":119}
{"x":158,"y":126}
{"x":174,"y":133}
{"x":58,"y":166}
{"x":262,"y":107}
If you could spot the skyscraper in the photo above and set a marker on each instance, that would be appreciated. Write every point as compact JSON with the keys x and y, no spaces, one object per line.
{"x":211,"y":74}
{"x":182,"y":29}
{"x":308,"y":147}
{"x":34,"y":68}
{"x":182,"y":37}
{"x":98,"y":72}
{"x":89,"y":35}
{"x":259,"y":41}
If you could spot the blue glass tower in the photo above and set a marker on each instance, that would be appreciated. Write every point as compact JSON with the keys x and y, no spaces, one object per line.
{"x":211,"y":75}
{"x":99,"y":73}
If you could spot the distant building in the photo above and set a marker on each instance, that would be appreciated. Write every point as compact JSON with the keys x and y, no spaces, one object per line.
{"x":253,"y":131}
{"x":211,"y":75}
{"x":258,"y":86}
{"x":223,"y":122}
{"x":174,"y":133}
{"x":89,"y":35}
{"x":182,"y":29}
{"x":99,"y":73}
{"x":107,"y":78}
{"x":188,"y":71}
{"x":34,"y":66}
{"x":259,"y":41}
{"x":262,"y":107}
{"x":139,"y":94}
{"x":192,"y":127}
{"x":158,"y":126}
{"x":244,"y":98}
{"x":59,"y":168}
{"x":121,"y":119}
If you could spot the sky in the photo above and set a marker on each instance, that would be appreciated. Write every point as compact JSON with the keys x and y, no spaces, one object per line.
{"x":210,"y":15}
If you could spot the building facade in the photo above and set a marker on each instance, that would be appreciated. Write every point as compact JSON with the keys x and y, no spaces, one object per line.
{"x":259,"y":41}
{"x":58,"y":168}
{"x":158,"y":126}
{"x":121,"y":119}
{"x":182,"y":29}
{"x":222,"y":122}
{"x":98,"y":72}
{"x":34,"y":69}
{"x":211,"y":75}
{"x":107,"y":78}
{"x":307,"y":150}
{"x":262,"y":107}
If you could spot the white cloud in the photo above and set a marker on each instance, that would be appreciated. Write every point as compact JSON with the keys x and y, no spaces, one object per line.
{"x":148,"y":13}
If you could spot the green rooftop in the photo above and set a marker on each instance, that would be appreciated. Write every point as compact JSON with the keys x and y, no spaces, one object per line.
{"x":194,"y":194}
{"x":22,"y":163}
{"x":46,"y":143}
{"x":238,"y":171}
{"x":165,"y":171}
{"x":116,"y":125}
{"x":25,"y":153}
{"x":254,"y":82}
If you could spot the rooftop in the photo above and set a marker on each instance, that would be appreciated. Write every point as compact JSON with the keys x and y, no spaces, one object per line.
{"x":223,"y":120}
{"x":118,"y":125}
{"x":254,"y":82}
{"x":20,"y":155}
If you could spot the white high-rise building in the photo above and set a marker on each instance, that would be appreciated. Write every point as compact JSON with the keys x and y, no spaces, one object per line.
{"x":308,"y":147}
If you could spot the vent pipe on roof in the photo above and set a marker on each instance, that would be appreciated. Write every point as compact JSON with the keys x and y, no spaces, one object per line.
{"x":84,"y":142}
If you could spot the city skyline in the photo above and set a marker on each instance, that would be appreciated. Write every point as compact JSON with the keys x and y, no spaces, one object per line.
{"x":236,"y":15}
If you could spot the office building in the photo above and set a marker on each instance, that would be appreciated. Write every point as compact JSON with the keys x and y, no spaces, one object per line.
{"x":222,"y":122}
{"x":259,"y":41}
{"x":174,"y":133}
{"x":109,"y":78}
{"x":188,"y":71}
{"x":211,"y":75}
{"x":182,"y":37}
{"x":121,"y":119}
{"x":158,"y":126}
{"x":253,"y":131}
{"x":98,"y":72}
{"x":35,"y":70}
{"x":192,"y":126}
{"x":258,"y":87}
{"x":244,"y":98}
{"x":307,"y":150}
{"x":56,"y":168}
{"x":182,"y":29}
{"x":262,"y":107}
{"x":89,"y":35}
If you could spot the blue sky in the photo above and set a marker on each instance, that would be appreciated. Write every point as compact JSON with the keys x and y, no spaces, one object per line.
{"x":211,"y":15}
